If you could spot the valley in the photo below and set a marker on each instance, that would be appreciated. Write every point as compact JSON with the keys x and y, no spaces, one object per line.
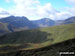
{"x":28,"y":42}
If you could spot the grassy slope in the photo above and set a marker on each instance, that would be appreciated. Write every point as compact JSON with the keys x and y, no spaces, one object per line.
{"x":41,"y":37}
{"x":3,"y":28}
{"x":50,"y":50}
{"x":61,"y":33}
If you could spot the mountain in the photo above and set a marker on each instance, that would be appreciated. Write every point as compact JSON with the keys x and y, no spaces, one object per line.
{"x":13,"y":24}
{"x":58,"y":22}
{"x":69,"y":20}
{"x":66,"y":21}
{"x":38,"y":42}
{"x":44,"y":22}
{"x":18,"y":22}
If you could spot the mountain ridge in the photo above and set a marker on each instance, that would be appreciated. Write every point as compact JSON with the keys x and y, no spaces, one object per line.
{"x":44,"y":22}
{"x":16,"y":23}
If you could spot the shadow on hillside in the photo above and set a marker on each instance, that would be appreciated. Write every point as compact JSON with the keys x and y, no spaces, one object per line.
{"x":11,"y":40}
{"x":51,"y":50}
{"x":38,"y":36}
{"x":27,"y":36}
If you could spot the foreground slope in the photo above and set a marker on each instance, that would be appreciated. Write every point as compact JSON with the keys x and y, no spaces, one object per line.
{"x":50,"y":50}
{"x":36,"y":38}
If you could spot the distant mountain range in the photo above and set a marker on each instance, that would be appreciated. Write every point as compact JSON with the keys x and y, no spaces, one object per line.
{"x":12,"y":23}
{"x":69,"y":20}
{"x":46,"y":22}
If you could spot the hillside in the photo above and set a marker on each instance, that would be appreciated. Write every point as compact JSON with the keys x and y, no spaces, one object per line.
{"x":41,"y":34}
{"x":3,"y":28}
{"x":36,"y":38}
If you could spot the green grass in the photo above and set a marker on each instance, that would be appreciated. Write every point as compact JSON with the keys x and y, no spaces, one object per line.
{"x":38,"y":38}
{"x":61,"y":33}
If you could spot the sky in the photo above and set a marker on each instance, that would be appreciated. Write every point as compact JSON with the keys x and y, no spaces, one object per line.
{"x":37,"y":9}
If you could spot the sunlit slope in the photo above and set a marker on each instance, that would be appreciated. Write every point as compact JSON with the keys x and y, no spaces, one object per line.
{"x":3,"y":28}
{"x":60,"y":33}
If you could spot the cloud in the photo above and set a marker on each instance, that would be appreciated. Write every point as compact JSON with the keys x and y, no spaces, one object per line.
{"x":45,"y":10}
{"x":4,"y":13}
{"x":63,"y":15}
{"x":1,"y":9}
{"x":71,"y":9}
{"x":34,"y":10}
{"x":25,"y":7}
{"x":71,"y":2}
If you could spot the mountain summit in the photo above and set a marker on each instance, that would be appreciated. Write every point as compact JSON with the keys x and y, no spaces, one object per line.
{"x":44,"y":22}
{"x":18,"y":23}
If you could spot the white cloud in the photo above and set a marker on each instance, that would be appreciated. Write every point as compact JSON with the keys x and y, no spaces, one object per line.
{"x":1,"y":9}
{"x":45,"y":10}
{"x":3,"y":16}
{"x":66,"y":13}
{"x":32,"y":8}
{"x":63,"y":15}
{"x":25,"y":7}
{"x":71,"y":2}
{"x":3,"y":13}
{"x":71,"y":9}
{"x":42,"y":11}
